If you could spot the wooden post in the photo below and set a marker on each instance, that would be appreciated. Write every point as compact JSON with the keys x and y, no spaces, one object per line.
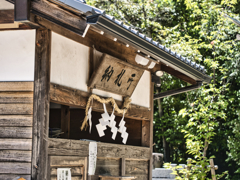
{"x":123,"y":166}
{"x":90,"y":63}
{"x":212,"y":170}
{"x":65,"y":121}
{"x":41,"y":104}
{"x":146,"y":133}
{"x":151,"y":127}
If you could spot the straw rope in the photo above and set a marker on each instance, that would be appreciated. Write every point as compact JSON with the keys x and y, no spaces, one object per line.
{"x":124,"y":109}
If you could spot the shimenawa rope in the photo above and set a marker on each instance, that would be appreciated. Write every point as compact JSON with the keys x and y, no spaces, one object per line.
{"x":124,"y":109}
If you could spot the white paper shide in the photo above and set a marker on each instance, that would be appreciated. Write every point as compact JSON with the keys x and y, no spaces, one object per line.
{"x":109,"y":121}
{"x":92,"y":161}
{"x":64,"y":174}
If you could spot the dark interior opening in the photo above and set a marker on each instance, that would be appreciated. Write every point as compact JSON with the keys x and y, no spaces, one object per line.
{"x":134,"y":127}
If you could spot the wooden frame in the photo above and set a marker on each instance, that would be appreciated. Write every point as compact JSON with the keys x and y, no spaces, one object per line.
{"x":117,"y":69}
{"x":65,"y":121}
{"x":72,"y":162}
{"x":6,"y":16}
{"x":41,"y":104}
{"x":126,"y":159}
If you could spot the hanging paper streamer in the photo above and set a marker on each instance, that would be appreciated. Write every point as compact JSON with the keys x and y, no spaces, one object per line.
{"x":101,"y":130}
{"x":107,"y":120}
{"x":112,"y":118}
{"x":112,"y":124}
{"x":123,"y":130}
{"x":125,"y":106}
{"x":114,"y":130}
{"x":105,"y":117}
{"x":104,"y":121}
{"x":90,"y":118}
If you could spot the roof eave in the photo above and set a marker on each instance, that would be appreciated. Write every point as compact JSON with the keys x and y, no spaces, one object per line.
{"x":105,"y":24}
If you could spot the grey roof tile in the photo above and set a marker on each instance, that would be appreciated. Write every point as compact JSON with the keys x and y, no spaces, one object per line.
{"x":187,"y":61}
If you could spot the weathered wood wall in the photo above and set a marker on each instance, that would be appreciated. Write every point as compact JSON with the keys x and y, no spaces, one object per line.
{"x":16,"y":109}
{"x":112,"y":159}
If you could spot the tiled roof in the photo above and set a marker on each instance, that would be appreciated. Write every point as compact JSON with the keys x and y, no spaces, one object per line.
{"x":136,"y":32}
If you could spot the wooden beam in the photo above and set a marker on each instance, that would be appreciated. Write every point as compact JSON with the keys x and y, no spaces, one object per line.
{"x":6,"y":16}
{"x":60,"y":16}
{"x":72,"y":97}
{"x":177,"y":91}
{"x":41,"y":104}
{"x":91,"y":63}
{"x":63,"y":147}
{"x":65,"y":121}
{"x":16,"y":86}
{"x":178,"y":74}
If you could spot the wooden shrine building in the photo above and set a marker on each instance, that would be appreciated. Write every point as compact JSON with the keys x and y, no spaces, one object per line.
{"x":62,"y":63}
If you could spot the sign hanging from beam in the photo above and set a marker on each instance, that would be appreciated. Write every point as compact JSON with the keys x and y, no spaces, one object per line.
{"x":116,"y":76}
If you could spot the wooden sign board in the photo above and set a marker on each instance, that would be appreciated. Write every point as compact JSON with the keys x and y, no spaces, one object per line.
{"x":116,"y":76}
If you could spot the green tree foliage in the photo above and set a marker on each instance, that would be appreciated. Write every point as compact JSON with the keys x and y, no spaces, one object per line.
{"x":209,"y":119}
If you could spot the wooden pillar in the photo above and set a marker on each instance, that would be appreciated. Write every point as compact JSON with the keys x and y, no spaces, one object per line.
{"x":151,"y":128}
{"x":41,"y":104}
{"x":65,"y":121}
{"x":123,"y":171}
{"x":146,"y":133}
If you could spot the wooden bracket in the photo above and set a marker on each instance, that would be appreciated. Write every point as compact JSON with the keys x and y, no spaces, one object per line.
{"x":177,"y":91}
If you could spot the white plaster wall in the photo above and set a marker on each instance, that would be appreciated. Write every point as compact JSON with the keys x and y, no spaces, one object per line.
{"x":17,"y":50}
{"x":69,"y":63}
{"x":141,"y":95}
{"x":6,"y":5}
{"x":69,"y":67}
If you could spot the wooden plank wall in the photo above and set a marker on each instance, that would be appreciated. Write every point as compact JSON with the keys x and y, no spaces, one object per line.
{"x":112,"y":159}
{"x":16,"y":112}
